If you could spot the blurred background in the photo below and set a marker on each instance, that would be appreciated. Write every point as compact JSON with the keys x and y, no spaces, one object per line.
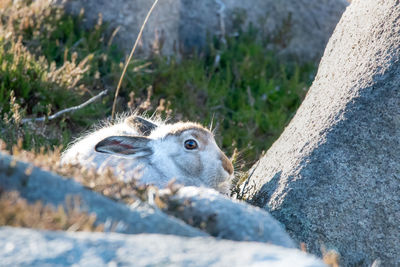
{"x":244,"y":66}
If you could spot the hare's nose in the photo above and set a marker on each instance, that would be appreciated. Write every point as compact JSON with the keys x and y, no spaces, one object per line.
{"x":227,"y":164}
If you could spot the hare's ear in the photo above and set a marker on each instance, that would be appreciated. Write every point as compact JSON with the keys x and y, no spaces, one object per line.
{"x":143,"y":126}
{"x":136,"y":146}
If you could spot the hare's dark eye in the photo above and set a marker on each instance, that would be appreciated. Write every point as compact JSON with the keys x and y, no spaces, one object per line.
{"x":190,"y":144}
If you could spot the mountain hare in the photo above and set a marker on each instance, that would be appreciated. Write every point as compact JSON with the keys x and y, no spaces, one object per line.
{"x":154,"y":153}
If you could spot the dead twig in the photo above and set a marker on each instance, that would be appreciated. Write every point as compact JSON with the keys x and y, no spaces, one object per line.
{"x":67,"y":110}
{"x":221,"y":15}
{"x":110,"y":41}
{"x":129,"y":59}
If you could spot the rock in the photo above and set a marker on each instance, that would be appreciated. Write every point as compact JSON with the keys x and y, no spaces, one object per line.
{"x":225,"y":218}
{"x":53,"y":189}
{"x":27,"y":247}
{"x":299,"y":28}
{"x":333,"y":176}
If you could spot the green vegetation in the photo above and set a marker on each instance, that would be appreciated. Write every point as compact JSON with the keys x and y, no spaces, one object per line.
{"x":48,"y":62}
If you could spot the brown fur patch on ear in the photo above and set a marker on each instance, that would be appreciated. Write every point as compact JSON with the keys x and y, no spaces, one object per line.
{"x":143,"y":126}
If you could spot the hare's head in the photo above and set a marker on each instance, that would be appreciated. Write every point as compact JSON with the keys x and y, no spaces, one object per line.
{"x":184,"y":151}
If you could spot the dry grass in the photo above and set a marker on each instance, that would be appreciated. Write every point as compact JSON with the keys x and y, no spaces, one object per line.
{"x":16,"y":211}
{"x":21,"y":19}
{"x":331,"y":258}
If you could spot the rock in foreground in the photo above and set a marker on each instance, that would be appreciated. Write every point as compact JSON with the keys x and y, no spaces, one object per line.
{"x":41,"y":248}
{"x":226,"y":218}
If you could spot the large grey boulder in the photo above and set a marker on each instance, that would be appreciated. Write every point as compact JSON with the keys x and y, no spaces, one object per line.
{"x":297,"y":27}
{"x":226,"y":218}
{"x":53,"y":189}
{"x":333,"y":176}
{"x":26,"y":247}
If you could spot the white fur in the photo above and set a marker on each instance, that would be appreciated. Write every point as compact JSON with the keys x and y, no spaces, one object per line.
{"x":169,"y":158}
